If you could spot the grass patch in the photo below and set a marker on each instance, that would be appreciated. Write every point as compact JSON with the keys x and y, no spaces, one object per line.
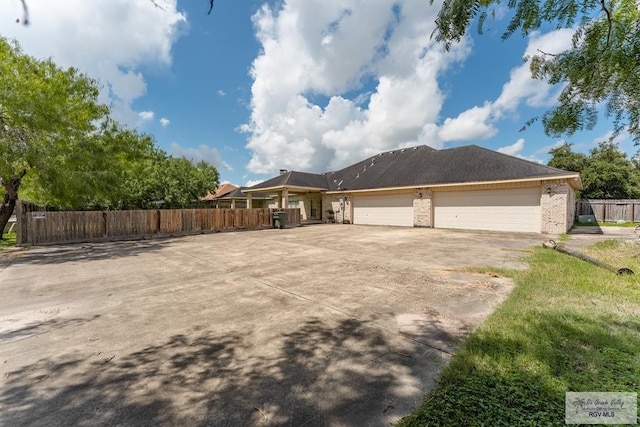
{"x":606,"y":224}
{"x":492,"y":271}
{"x":8,"y":240}
{"x":567,"y":326}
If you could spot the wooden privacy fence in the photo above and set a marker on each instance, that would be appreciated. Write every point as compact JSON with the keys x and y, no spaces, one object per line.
{"x":80,"y":226}
{"x":610,"y":210}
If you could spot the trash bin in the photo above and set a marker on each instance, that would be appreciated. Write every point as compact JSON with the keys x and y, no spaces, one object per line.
{"x":279,"y":219}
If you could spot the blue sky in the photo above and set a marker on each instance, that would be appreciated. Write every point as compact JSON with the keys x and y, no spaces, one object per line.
{"x":298,"y":84}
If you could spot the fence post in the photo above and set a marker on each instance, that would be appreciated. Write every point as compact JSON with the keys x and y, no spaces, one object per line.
{"x":19,"y":223}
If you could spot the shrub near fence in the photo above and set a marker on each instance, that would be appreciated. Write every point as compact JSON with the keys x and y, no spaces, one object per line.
{"x":81,"y":226}
{"x":610,"y":210}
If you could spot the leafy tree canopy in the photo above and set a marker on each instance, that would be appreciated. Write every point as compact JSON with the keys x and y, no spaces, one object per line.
{"x":47,"y":116}
{"x":58,"y":145}
{"x":563,"y":157}
{"x":606,"y":172}
{"x":601,"y":67}
{"x":168,"y":182}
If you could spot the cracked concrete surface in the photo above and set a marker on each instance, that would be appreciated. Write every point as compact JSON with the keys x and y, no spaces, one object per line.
{"x":319,"y":325}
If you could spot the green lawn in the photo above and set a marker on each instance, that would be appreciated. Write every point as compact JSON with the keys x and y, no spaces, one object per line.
{"x":8,"y":240}
{"x":607,"y":224}
{"x":567,"y":326}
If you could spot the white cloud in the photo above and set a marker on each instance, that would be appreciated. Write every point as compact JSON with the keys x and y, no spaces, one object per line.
{"x":480,"y":122}
{"x":202,"y":152}
{"x":512,"y":149}
{"x":547,"y":148}
{"x":521,"y":87}
{"x":470,"y":124}
{"x":164,"y":122}
{"x":329,"y":48}
{"x":622,"y":137}
{"x":252,"y":182}
{"x":221,"y":92}
{"x":515,"y":149}
{"x":145,"y":116}
{"x":110,"y":40}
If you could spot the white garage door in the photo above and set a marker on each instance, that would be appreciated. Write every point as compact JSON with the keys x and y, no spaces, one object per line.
{"x":393,"y":209}
{"x":500,"y":210}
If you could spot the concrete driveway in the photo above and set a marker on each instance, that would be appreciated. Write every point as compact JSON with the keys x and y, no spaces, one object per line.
{"x":318,"y":325}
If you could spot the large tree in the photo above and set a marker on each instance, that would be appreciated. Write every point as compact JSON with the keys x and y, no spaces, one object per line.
{"x":48,"y":120}
{"x":59,"y":147}
{"x":606,"y":172}
{"x":563,"y":157}
{"x":167,"y":181}
{"x":601,"y":68}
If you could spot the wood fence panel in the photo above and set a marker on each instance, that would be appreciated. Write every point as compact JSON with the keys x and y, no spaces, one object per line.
{"x":206,"y":219}
{"x":293,"y":216}
{"x":132,"y":223}
{"x":170,"y":220}
{"x":190,"y":222}
{"x":40,"y":227}
{"x":229,"y":217}
{"x":241,"y":219}
{"x":218,"y":219}
{"x":610,"y":210}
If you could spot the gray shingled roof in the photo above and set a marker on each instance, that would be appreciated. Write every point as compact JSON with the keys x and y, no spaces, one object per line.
{"x":294,"y":179}
{"x":238,"y":194}
{"x":418,"y":166}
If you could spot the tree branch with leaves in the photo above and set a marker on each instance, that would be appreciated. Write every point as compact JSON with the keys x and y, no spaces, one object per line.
{"x":602,"y":67}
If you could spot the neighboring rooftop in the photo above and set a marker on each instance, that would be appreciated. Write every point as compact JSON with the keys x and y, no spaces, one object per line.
{"x":220,"y":191}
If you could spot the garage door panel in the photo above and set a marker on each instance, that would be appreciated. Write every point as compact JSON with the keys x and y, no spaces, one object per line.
{"x":500,"y":210}
{"x":394,"y":209}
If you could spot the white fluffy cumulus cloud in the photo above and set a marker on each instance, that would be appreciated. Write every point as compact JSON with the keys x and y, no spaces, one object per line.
{"x":339,"y":80}
{"x":516,"y":149}
{"x":310,"y":109}
{"x":110,"y":40}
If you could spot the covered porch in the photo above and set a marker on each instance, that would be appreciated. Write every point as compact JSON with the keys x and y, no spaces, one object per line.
{"x":307,"y":199}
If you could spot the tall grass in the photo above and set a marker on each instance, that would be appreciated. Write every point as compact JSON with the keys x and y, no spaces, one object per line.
{"x":567,"y":326}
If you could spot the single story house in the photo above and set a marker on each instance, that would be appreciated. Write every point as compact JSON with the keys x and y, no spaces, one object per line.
{"x":228,"y":196}
{"x":467,"y":187}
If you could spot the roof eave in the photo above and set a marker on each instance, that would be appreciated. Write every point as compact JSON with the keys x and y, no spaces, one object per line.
{"x":573,"y":178}
{"x":284,"y":187}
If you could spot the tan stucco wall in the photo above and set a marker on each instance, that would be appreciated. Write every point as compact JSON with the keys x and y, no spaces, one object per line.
{"x":557,"y":206}
{"x":305,"y":204}
{"x":422,"y":212}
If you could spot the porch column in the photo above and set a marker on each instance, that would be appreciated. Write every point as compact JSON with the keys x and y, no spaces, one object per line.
{"x":285,"y":198}
{"x":249,"y":200}
{"x":233,"y":203}
{"x":280,"y":200}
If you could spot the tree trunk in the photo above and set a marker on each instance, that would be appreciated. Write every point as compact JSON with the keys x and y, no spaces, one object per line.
{"x":10,"y":198}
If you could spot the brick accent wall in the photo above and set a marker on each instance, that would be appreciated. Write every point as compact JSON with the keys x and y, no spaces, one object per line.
{"x":333,"y":202}
{"x":557,"y":202}
{"x":422,"y":208}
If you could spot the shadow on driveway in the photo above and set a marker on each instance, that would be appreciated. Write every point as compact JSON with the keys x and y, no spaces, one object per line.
{"x":320,"y":374}
{"x":81,"y":252}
